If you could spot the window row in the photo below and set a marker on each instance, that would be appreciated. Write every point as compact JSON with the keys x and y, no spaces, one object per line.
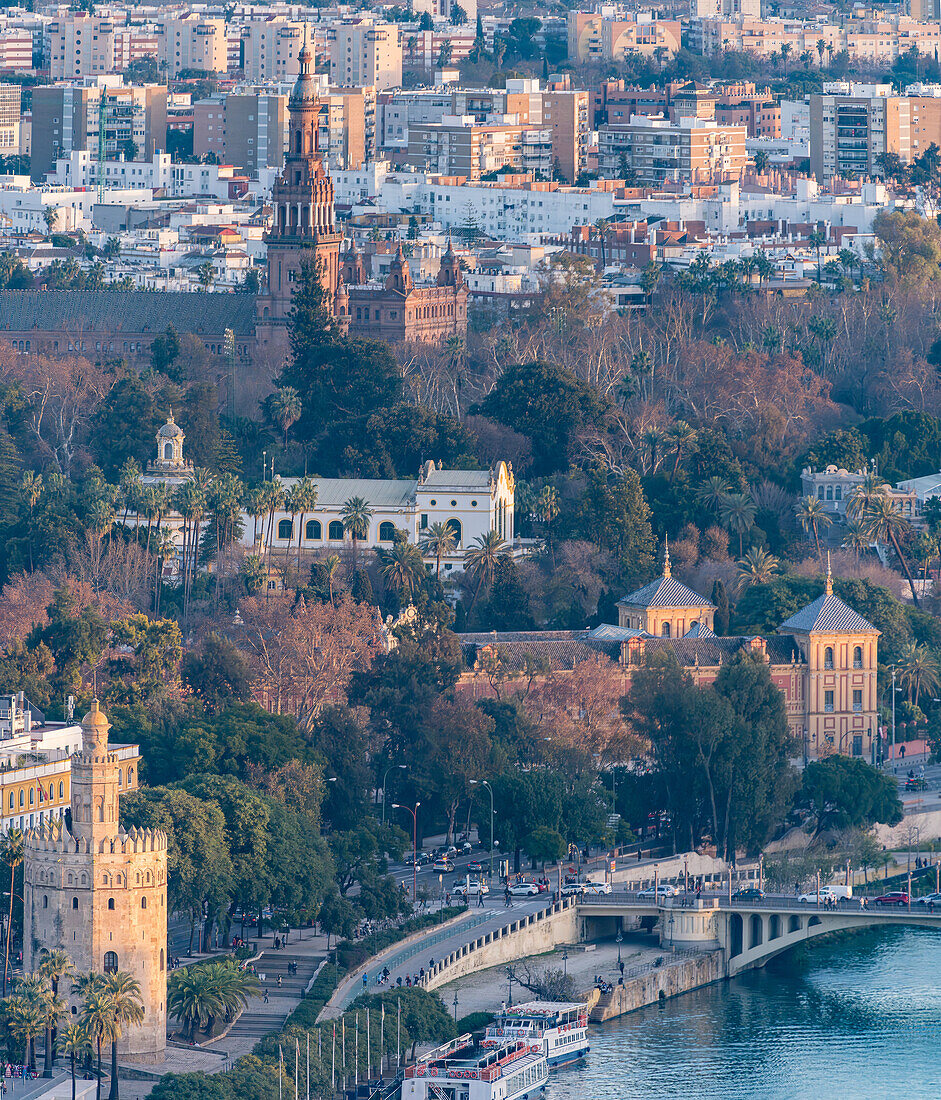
{"x":828,"y":705}
{"x":857,"y":657}
{"x":313,"y":531}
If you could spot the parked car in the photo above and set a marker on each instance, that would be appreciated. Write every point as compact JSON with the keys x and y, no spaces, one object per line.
{"x":523,"y":889}
{"x":664,"y":890}
{"x":475,"y":867}
{"x":442,"y":864}
{"x":470,"y":889}
{"x":465,"y":846}
{"x":748,"y":893}
{"x":897,"y":897}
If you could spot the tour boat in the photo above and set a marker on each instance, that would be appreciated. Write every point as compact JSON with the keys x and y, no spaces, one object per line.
{"x":465,"y":1070}
{"x":561,"y":1027}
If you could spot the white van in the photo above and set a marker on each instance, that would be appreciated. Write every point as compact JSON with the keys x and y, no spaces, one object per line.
{"x":835,"y":891}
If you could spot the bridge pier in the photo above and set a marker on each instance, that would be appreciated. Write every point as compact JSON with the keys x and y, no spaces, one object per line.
{"x":694,"y":927}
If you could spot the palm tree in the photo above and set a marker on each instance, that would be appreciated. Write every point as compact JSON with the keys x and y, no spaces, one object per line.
{"x":232,"y":985}
{"x":813,"y":517}
{"x":124,"y":992}
{"x":131,"y":485}
{"x":757,"y":567}
{"x":547,"y":509}
{"x":99,"y":1019}
{"x":73,"y":1041}
{"x":918,"y":670}
{"x":27,"y":1014}
{"x":330,"y":565}
{"x":11,"y":853}
{"x":31,"y":488}
{"x":481,"y":560}
{"x":164,"y":548}
{"x":712,"y":492}
{"x":255,"y":505}
{"x":305,"y":500}
{"x":856,"y":540}
{"x":191,"y":998}
{"x":885,"y":523}
{"x":190,"y":501}
{"x":356,"y":516}
{"x":864,"y":494}
{"x":402,"y":566}
{"x":602,"y":225}
{"x":681,"y":437}
{"x":438,"y":541}
{"x":737,"y":512}
{"x":274,"y":499}
{"x":652,"y":438}
{"x":286,"y":409}
{"x":55,"y":966}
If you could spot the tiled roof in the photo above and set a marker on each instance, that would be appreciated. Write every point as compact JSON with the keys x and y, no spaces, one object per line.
{"x":664,"y":592}
{"x":561,"y":649}
{"x":608,"y":633}
{"x":457,"y":479}
{"x":781,"y":649}
{"x":699,"y":630}
{"x":133,"y":311}
{"x":828,"y":615}
{"x":334,"y":492}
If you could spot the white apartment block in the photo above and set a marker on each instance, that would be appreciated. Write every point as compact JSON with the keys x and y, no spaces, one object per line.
{"x":364,"y":53}
{"x":700,"y":8}
{"x":270,"y":48}
{"x":200,"y":181}
{"x":9,"y":119}
{"x":16,"y":50}
{"x":192,"y":42}
{"x":80,"y":45}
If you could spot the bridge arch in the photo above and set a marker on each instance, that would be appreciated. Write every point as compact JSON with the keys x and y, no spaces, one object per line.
{"x":774,"y":927}
{"x":756,"y":938}
{"x":793,"y":923}
{"x":736,"y":935}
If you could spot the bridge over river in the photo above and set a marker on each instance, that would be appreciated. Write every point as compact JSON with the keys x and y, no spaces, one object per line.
{"x":748,"y":932}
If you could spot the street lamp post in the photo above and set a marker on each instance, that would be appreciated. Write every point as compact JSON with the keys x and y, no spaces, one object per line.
{"x":385,"y":779}
{"x":484,"y":783}
{"x":565,"y":964}
{"x":414,"y":813}
{"x":671,"y":932}
{"x":454,"y":1003}
{"x":619,"y":939}
{"x":511,"y":977}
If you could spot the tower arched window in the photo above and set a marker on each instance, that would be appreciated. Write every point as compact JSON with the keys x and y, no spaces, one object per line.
{"x":168,"y":452}
{"x":313,"y":530}
{"x":665,"y":630}
{"x":456,"y":529}
{"x":130,"y":776}
{"x":335,"y":531}
{"x":143,"y":903}
{"x":74,"y":903}
{"x":162,"y":961}
{"x":32,"y":796}
{"x":828,"y":657}
{"x":45,"y":901}
{"x":111,"y":962}
{"x":110,"y":903}
{"x":387,"y":531}
{"x":858,"y":657}
{"x":22,"y":798}
{"x":120,"y":777}
{"x":62,"y":790}
{"x":285,"y":529}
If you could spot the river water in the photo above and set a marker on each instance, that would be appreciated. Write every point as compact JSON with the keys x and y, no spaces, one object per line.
{"x":857,"y":1018}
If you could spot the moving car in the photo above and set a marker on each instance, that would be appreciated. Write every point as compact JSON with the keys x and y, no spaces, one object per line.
{"x":748,"y":893}
{"x":475,"y":867}
{"x":523,"y":889}
{"x":929,"y":899}
{"x":584,"y":886}
{"x":664,"y":890}
{"x":896,"y":897}
{"x":442,"y":864}
{"x":596,"y":888}
{"x":470,"y":889}
{"x":420,"y":859}
{"x":834,"y":892}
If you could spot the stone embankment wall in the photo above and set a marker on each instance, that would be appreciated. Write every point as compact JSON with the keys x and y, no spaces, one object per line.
{"x":534,"y":934}
{"x":690,"y":972}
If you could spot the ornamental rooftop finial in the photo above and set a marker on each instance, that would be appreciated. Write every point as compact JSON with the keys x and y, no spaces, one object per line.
{"x":666,"y":556}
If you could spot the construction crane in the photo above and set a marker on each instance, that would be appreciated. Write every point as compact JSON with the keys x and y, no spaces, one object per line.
{"x":102,"y":105}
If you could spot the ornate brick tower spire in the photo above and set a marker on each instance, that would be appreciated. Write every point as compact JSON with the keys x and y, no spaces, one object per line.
{"x":94,"y":782}
{"x":303,"y":228}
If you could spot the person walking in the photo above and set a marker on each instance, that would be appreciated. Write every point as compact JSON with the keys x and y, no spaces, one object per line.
{"x":265,"y":1001}
{"x":365,"y":982}
{"x":621,"y":968}
{"x":480,"y":899}
{"x":506,"y":897}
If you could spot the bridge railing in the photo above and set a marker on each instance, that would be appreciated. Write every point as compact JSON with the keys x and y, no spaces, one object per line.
{"x":857,"y":903}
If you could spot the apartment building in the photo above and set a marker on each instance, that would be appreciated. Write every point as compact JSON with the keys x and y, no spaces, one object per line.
{"x":192,"y":42}
{"x":429,"y":49}
{"x":597,"y":37}
{"x":460,"y":147}
{"x":656,"y":150}
{"x":66,"y":117}
{"x":565,"y":115}
{"x":16,"y":50}
{"x":519,"y":102}
{"x":347,"y":131}
{"x":270,"y":47}
{"x":9,"y":119}
{"x":728,"y":8}
{"x":78,"y":45}
{"x":364,"y":53}
{"x":852,"y":127}
{"x":760,"y":117}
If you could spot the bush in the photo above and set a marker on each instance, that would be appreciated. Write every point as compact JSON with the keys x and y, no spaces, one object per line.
{"x":474,"y":1021}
